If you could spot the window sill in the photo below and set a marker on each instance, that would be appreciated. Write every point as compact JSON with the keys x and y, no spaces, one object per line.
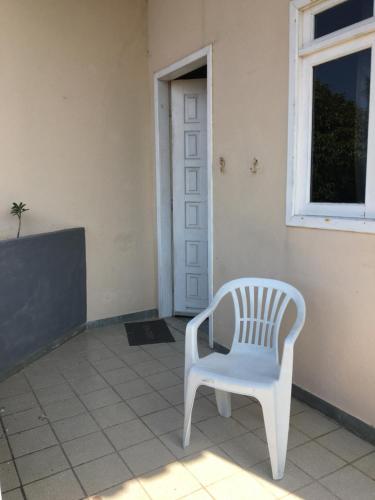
{"x":332,"y":223}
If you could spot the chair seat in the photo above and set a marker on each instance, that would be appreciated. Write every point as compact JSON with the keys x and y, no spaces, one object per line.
{"x":242,"y":369}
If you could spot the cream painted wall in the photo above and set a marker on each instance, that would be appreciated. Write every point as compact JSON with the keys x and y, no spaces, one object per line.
{"x":75,"y":137}
{"x":334,"y":270}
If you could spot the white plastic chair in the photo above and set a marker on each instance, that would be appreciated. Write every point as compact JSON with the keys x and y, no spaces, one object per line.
{"x":252,"y":366}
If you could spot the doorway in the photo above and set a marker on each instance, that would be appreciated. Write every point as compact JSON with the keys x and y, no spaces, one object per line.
{"x":184,"y":184}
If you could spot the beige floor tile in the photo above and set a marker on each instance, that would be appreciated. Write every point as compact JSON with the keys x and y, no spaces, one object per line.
{"x":82,"y":370}
{"x":102,"y":473}
{"x":180,"y":372}
{"x":86,"y":385}
{"x":174,"y":395}
{"x":180,"y":347}
{"x":14,"y":386}
{"x":133,"y":388}
{"x":108,"y":364}
{"x":163,"y":380}
{"x":49,"y":395}
{"x":149,"y":368}
{"x":13,"y":495}
{"x":96,"y":353}
{"x":250,"y":416}
{"x":203,"y":409}
{"x":147,"y":456}
{"x":41,"y":464}
{"x":211,"y":465}
{"x":120,"y":375}
{"x":219,"y":429}
{"x":170,"y":482}
{"x":128,"y":434}
{"x":164,"y":421}
{"x":113,"y":414}
{"x":295,"y":437}
{"x":32,"y":440}
{"x":173,"y":441}
{"x":294,"y":478}
{"x":40,"y":381}
{"x":314,"y":491}
{"x":98,"y":399}
{"x":313,"y":423}
{"x":239,"y":487}
{"x":86,"y":448}
{"x":134,"y":358}
{"x":58,"y":487}
{"x":8,"y":476}
{"x":198,"y":495}
{"x":237,"y":400}
{"x":159,"y":350}
{"x":5,"y":454}
{"x":73,"y":427}
{"x":129,"y":490}
{"x":349,"y":483}
{"x":315,"y":460}
{"x":204,"y":390}
{"x":247,"y":450}
{"x":367,"y":465}
{"x":345,"y":444}
{"x":173,"y":361}
{"x":148,"y":403}
{"x":64,"y":409}
{"x":28,"y":419}
{"x":297,"y":406}
{"x":15,"y":404}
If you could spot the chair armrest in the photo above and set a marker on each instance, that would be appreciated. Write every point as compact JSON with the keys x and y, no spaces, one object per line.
{"x":287,"y":360}
{"x":191,"y":346}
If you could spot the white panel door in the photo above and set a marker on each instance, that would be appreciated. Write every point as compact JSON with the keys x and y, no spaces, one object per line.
{"x":189,"y":171}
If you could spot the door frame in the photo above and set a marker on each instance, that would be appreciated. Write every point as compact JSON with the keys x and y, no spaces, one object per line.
{"x":163,"y":174}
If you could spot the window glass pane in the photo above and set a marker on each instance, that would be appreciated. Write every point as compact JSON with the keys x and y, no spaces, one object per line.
{"x":341,"y":92}
{"x":342,"y":15}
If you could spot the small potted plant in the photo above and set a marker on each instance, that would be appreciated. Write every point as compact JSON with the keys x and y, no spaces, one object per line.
{"x":18,"y":209}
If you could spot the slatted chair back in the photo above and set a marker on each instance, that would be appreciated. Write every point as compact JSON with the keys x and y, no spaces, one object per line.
{"x":259,"y":306}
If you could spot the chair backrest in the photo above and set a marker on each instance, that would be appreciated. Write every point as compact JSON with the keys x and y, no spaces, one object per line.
{"x":259,"y":306}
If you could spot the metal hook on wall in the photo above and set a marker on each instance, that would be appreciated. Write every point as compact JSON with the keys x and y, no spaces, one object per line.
{"x":222,"y":164}
{"x":254,"y":166}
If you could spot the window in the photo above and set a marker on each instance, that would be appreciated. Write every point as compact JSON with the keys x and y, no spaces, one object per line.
{"x":331,"y":173}
{"x":341,"y":15}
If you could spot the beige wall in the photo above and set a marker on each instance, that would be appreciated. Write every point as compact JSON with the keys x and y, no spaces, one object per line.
{"x":334,"y":270}
{"x":74,"y":137}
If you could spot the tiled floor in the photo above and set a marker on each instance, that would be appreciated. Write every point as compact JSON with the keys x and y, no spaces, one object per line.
{"x":101,"y":420}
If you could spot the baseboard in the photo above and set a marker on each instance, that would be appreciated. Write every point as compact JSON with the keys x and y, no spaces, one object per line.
{"x":353,"y":424}
{"x":41,"y":352}
{"x":124,"y":318}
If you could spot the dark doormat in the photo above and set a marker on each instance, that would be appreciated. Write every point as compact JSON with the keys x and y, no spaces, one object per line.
{"x":148,"y":332}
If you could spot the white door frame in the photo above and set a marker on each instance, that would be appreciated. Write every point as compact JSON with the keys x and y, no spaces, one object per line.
{"x":163,"y":173}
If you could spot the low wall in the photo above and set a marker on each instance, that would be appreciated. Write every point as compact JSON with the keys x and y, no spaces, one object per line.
{"x":42,"y":293}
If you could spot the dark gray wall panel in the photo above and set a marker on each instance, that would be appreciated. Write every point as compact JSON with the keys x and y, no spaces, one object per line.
{"x":42,"y":292}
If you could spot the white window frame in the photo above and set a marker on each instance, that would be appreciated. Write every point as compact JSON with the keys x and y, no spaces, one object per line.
{"x":305,"y":53}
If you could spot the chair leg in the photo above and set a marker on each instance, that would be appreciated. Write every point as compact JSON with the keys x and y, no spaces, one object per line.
{"x":210,"y":334}
{"x":223,"y":401}
{"x":191,"y":389}
{"x":276,"y":420}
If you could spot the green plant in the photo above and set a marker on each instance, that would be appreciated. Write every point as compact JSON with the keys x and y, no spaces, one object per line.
{"x":18,"y":209}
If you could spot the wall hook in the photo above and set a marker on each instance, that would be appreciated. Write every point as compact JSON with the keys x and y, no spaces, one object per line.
{"x":222,"y":164}
{"x":254,"y":166}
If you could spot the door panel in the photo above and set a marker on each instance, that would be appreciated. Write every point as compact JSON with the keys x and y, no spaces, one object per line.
{"x":189,"y":171}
